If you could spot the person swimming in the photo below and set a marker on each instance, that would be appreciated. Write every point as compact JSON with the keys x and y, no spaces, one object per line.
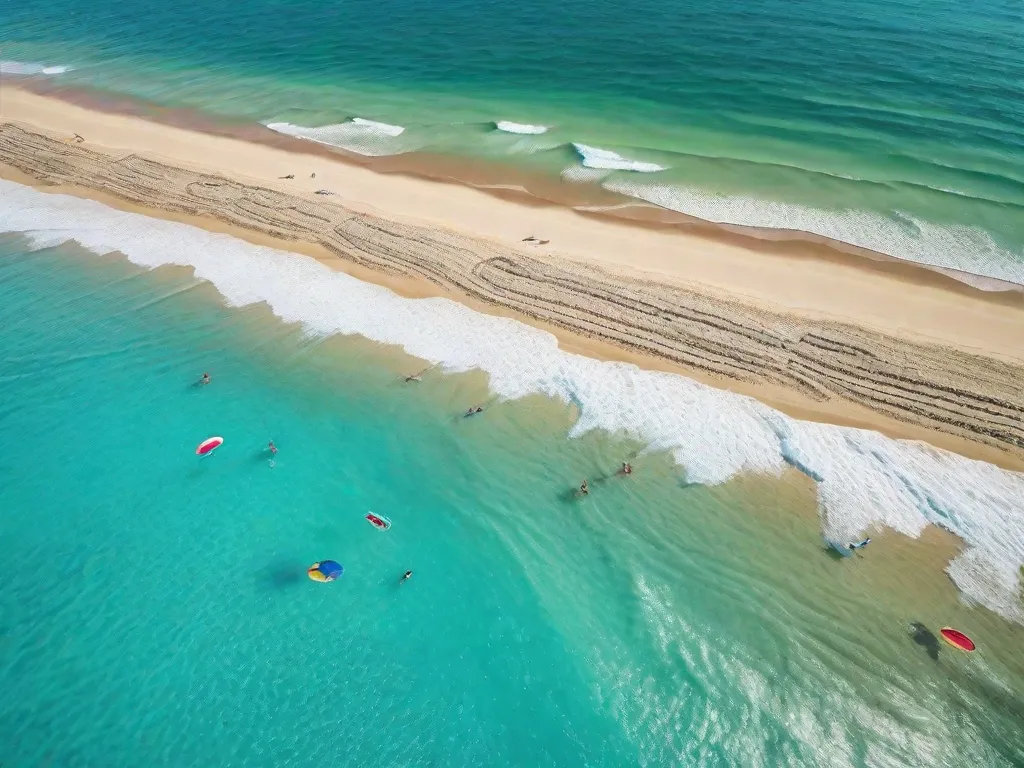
{"x":272,"y":448}
{"x":627,"y":468}
{"x":205,"y":379}
{"x":475,"y":410}
{"x":405,"y":577}
{"x":584,"y":488}
{"x":859,"y":544}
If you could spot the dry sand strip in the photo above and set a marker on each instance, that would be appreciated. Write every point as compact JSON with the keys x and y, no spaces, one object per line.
{"x":936,"y":387}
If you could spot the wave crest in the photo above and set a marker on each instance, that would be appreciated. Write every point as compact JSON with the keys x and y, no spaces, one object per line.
{"x":359,"y":135}
{"x":10,"y":67}
{"x":520,"y":128}
{"x":606,"y":160}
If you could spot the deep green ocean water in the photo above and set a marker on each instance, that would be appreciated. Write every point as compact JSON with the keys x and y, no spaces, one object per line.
{"x":154,"y":606}
{"x":895,"y":126}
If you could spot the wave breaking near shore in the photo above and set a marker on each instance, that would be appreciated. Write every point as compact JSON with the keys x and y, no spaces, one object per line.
{"x":864,"y":479}
{"x":364,"y":137}
{"x":961,"y":249}
{"x":26,"y":68}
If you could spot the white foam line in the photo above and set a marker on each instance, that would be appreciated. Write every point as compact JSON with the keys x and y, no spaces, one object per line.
{"x":521,"y":128}
{"x":365,"y":137}
{"x":10,"y":67}
{"x":864,"y":479}
{"x":605,"y":159}
{"x":959,"y":248}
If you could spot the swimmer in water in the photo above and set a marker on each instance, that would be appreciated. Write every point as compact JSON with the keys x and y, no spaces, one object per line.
{"x":475,"y":410}
{"x":205,"y":379}
{"x":627,"y":468}
{"x":859,"y":544}
{"x":584,"y":488}
{"x":405,"y":577}
{"x":272,"y":448}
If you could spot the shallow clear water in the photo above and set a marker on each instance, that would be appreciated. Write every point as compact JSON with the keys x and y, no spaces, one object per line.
{"x":155,"y":607}
{"x":893,"y":126}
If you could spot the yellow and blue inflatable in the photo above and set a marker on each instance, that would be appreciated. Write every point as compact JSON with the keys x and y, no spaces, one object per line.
{"x":325,"y":570}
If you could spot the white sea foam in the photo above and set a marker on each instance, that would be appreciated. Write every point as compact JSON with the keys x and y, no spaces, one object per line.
{"x":510,"y":127}
{"x":364,"y":137}
{"x":9,"y":67}
{"x":960,"y":248}
{"x":577,"y":174}
{"x":864,"y":479}
{"x":607,"y":160}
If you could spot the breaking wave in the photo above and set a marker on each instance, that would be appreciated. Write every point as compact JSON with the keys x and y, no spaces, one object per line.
{"x":864,"y":480}
{"x":606,"y":160}
{"x":954,"y":247}
{"x":521,"y":128}
{"x":364,"y":137}
{"x":8,"y":67}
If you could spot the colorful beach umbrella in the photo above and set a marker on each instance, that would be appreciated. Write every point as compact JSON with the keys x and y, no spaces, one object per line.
{"x":325,"y":570}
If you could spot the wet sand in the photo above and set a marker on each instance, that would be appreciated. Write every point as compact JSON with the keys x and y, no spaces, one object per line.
{"x":831,"y":337}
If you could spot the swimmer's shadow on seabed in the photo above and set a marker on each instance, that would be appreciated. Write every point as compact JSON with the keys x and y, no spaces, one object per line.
{"x":573,"y":495}
{"x":264,"y":456}
{"x":280,"y":575}
{"x":927,"y":639}
{"x":835,"y":554}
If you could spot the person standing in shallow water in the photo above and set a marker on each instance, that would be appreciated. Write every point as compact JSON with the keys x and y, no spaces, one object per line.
{"x":584,"y":488}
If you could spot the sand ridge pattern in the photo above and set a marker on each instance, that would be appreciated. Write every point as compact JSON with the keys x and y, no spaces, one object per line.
{"x":937,"y":387}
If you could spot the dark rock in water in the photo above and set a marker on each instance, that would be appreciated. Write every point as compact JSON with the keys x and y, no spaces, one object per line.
{"x":926,"y":638}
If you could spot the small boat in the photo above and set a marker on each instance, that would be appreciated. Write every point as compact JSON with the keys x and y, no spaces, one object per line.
{"x":209,"y":445}
{"x":381,"y":523}
{"x":957,"y":639}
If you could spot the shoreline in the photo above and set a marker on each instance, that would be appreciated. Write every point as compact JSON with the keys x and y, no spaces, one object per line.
{"x":955,"y":400}
{"x":507,"y":182}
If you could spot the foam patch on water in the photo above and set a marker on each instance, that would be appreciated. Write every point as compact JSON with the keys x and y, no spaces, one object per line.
{"x":607,"y":160}
{"x":958,"y":248}
{"x":576,"y":174}
{"x":864,"y":480}
{"x":522,"y":128}
{"x":9,"y":67}
{"x":364,"y":137}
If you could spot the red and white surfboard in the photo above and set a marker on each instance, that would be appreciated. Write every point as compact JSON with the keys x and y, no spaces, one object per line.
{"x":378,"y":522}
{"x":209,"y":445}
{"x":957,"y":639}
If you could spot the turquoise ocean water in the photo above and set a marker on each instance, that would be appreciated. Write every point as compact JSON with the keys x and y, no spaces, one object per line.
{"x":155,"y":610}
{"x":154,"y":607}
{"x":896,"y":126}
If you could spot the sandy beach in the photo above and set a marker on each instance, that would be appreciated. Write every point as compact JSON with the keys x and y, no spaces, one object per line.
{"x":836,"y":338}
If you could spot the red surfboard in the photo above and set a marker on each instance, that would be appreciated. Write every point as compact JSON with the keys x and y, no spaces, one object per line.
{"x":957,"y":639}
{"x":381,"y":523}
{"x":209,"y":445}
